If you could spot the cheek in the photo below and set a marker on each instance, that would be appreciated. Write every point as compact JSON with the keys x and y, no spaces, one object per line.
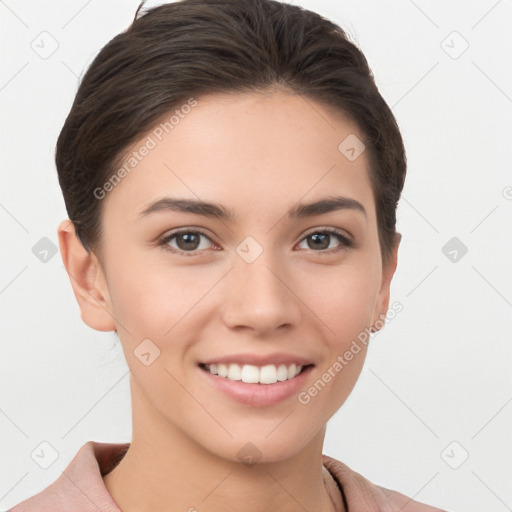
{"x":152,"y":306}
{"x":344,"y":303}
{"x":343,"y":299}
{"x":345,"y":310}
{"x":150,"y":299}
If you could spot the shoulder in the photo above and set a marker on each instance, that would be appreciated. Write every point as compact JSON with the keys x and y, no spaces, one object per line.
{"x":365,"y":496}
{"x":80,"y":486}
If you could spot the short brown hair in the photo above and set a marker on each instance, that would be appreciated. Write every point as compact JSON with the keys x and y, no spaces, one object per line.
{"x":194,"y":47}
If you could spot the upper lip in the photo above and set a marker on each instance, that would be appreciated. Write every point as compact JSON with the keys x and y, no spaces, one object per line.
{"x":259,"y":360}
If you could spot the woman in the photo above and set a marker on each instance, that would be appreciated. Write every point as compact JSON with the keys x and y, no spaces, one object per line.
{"x":231,"y":175}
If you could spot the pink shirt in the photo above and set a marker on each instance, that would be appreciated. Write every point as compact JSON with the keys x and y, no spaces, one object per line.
{"x":80,"y":487}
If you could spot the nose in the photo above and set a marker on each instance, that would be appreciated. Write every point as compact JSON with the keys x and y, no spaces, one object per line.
{"x":259,"y":297}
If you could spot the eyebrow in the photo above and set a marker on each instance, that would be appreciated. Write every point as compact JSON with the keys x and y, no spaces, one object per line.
{"x":215,"y":210}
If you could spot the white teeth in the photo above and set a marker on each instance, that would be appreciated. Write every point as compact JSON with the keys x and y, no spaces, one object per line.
{"x":282,"y":372}
{"x":268,"y":374}
{"x":251,"y":374}
{"x":234,"y":372}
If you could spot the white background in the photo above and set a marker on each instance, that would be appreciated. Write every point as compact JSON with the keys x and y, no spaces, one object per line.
{"x":437,"y":373}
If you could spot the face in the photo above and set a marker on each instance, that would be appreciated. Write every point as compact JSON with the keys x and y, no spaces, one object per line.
{"x":191,"y":291}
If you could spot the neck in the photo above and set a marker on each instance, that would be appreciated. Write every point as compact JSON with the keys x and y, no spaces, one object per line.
{"x":165,"y":470}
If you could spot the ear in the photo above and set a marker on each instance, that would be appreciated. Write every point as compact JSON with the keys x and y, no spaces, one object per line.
{"x":388,"y":271}
{"x":87,"y":279}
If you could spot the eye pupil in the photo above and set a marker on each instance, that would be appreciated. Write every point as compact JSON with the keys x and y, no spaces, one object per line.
{"x":191,"y":241}
{"x":319,"y":237}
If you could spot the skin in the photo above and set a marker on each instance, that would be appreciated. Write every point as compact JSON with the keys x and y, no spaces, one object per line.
{"x":258,"y":155}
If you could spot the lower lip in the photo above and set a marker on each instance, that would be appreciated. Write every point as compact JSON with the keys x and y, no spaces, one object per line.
{"x":258,"y":395}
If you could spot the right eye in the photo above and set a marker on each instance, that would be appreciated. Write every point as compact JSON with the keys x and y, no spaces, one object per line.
{"x":188,"y":242}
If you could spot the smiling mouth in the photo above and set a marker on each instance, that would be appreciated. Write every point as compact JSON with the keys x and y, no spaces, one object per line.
{"x":251,"y":374}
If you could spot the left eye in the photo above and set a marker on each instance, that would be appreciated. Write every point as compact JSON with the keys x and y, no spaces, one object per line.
{"x":321,"y":240}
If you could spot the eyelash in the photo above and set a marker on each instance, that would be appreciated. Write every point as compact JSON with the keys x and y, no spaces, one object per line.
{"x":346,"y":243}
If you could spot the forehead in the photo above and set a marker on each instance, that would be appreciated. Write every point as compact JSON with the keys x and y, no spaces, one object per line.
{"x":254,"y":152}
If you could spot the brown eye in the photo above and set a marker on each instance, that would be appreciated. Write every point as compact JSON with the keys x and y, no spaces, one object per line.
{"x":186,"y":242}
{"x":320,"y":241}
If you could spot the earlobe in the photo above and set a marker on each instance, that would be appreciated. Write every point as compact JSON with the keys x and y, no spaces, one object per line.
{"x":384,"y":292}
{"x":87,"y":280}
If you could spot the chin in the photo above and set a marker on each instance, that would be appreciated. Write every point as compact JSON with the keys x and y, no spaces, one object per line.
{"x":261,"y":445}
